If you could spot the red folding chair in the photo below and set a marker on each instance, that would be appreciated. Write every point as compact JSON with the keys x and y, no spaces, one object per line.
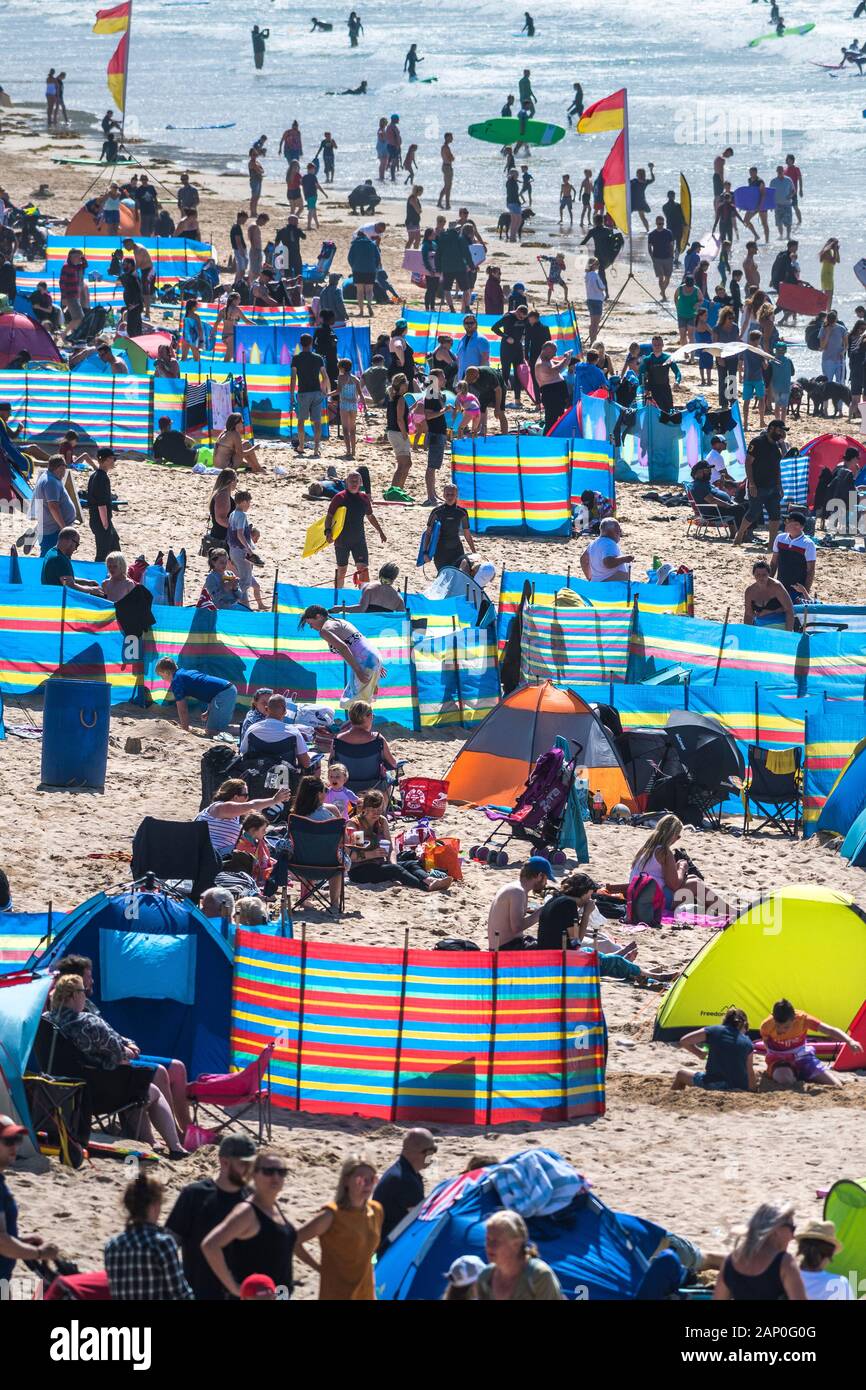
{"x":235,"y":1094}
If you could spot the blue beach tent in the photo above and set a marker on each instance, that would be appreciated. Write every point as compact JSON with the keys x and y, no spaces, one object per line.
{"x":22,"y":1001}
{"x":162,"y":973}
{"x":595,"y":1253}
{"x":847,"y":798}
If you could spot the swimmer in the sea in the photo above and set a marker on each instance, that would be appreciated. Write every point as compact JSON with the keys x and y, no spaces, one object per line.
{"x":360,"y":91}
{"x":411,"y":61}
{"x":576,"y":107}
{"x":319,"y":24}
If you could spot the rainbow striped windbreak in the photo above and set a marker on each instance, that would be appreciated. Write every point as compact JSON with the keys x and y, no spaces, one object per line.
{"x":518,"y":482}
{"x":463,"y":1037}
{"x":423,"y":329}
{"x":174,"y":259}
{"x":569,"y":645}
{"x":115,"y":411}
{"x":675,"y":597}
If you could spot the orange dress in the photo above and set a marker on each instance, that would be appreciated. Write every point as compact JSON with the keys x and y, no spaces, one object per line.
{"x":347,"y":1250}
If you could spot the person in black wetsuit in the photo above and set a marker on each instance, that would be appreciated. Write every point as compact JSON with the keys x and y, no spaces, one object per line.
{"x":535,"y":336}
{"x":256,"y":1237}
{"x":575,"y":110}
{"x":655,"y":374}
{"x":528,"y":25}
{"x":411,"y":61}
{"x":355,"y":28}
{"x":453,"y":523}
{"x":259,"y":36}
{"x":766,"y":595}
{"x":605,"y":243}
{"x":511,"y":329}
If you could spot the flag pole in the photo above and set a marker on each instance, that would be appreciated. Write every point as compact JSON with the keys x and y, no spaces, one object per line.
{"x":126,"y":74}
{"x":627,"y":158}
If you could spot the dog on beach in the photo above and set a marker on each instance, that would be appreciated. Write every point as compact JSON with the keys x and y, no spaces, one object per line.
{"x":820,"y":392}
{"x":504,"y":223}
{"x":795,"y":400}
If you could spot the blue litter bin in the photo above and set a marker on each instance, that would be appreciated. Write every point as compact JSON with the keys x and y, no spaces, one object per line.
{"x":75,"y":723}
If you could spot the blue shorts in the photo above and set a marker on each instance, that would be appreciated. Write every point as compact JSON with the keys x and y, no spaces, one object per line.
{"x":769,"y":500}
{"x":594,"y":308}
{"x":255,"y":185}
{"x":700,"y":1079}
{"x":753,"y":390}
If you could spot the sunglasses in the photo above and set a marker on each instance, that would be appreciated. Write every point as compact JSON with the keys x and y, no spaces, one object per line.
{"x":13,"y":1141}
{"x":272,"y":1170}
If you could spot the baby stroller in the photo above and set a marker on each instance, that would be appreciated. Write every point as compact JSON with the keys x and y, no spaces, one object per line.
{"x":538,"y":813}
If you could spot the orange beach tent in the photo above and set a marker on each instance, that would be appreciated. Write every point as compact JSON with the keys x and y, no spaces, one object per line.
{"x":492,"y":767}
{"x":84,"y":224}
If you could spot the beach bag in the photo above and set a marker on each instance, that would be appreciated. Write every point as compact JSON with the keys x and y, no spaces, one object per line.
{"x":424,"y":796}
{"x":644,"y":901}
{"x":444,"y":855}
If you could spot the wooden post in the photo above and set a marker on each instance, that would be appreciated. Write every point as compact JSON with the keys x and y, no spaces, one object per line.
{"x":398,"y":1051}
{"x":721,"y":645}
{"x":491,"y":1050}
{"x":301,"y":991}
{"x":563,"y":1010}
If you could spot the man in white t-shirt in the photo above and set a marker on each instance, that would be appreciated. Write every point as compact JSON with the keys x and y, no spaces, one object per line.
{"x":719,"y":475}
{"x":273,"y":729}
{"x":603,"y":560}
{"x":794,"y":556}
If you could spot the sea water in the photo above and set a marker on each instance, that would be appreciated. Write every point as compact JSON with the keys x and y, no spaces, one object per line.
{"x":694,"y":86}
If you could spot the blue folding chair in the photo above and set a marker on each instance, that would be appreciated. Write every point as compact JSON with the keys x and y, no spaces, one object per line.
{"x":316,"y":855}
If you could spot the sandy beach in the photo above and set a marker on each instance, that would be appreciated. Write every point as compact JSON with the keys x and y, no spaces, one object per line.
{"x":696,"y":1163}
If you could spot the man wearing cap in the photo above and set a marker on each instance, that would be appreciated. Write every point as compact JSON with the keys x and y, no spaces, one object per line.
{"x":13,"y":1246}
{"x":702,"y":491}
{"x":509,"y":915}
{"x":401,"y":1187}
{"x":202,"y":1205}
{"x":764,"y":480}
{"x":794,"y":556}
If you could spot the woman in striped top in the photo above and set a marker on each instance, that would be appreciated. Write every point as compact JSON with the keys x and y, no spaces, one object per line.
{"x":223,"y":815}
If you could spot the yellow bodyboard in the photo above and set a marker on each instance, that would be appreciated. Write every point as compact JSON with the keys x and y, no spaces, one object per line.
{"x":316,"y":540}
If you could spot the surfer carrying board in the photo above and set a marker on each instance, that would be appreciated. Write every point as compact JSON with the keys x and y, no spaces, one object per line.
{"x":525,"y":93}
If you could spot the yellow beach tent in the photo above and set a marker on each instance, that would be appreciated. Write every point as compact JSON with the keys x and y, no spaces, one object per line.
{"x":803,"y":943}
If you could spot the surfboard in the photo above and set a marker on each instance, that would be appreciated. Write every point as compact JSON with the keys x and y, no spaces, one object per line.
{"x":794,"y":29}
{"x":225,"y":125}
{"x":506,"y":130}
{"x":860,"y":267}
{"x":686,"y":205}
{"x":93,"y":163}
{"x":316,"y":540}
{"x":748,"y":197}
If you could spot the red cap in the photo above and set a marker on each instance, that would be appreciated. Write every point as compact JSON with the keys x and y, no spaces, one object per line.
{"x":258,"y":1286}
{"x":8,"y":1127}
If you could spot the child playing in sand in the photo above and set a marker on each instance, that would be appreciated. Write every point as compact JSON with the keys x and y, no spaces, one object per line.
{"x":337,"y":794}
{"x":554,"y":274}
{"x":349,"y":391}
{"x":469,"y":408}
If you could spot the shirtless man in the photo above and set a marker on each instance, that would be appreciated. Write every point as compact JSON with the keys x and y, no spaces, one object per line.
{"x":447,"y":155}
{"x":144,"y":266}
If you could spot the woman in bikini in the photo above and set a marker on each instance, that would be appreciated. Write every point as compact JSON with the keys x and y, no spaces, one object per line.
{"x":228,"y":318}
{"x":230,"y":451}
{"x":766,"y":595}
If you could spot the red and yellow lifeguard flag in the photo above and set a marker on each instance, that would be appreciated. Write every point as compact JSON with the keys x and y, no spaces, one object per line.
{"x":116,"y":21}
{"x":615,"y":178}
{"x":606,"y":114}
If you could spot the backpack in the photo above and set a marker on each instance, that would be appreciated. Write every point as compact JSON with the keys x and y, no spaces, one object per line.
{"x":644,"y":901}
{"x":814,"y":329}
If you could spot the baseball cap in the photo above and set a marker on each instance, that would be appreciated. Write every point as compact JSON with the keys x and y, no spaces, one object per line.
{"x":539,"y":865}
{"x":465,"y":1271}
{"x":237,"y":1146}
{"x":9,"y":1129}
{"x":258,"y":1286}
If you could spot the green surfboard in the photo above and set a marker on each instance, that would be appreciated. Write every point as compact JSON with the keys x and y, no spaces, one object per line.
{"x":794,"y":29}
{"x":506,"y":130}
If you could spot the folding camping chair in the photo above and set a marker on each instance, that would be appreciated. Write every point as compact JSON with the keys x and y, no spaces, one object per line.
{"x":706,"y":518}
{"x":363,"y":762}
{"x":777,"y":792}
{"x":235,"y":1094}
{"x":110,"y":1096}
{"x":316,"y":855}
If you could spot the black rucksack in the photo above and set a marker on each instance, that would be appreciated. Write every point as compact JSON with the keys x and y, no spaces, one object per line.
{"x":814,"y":329}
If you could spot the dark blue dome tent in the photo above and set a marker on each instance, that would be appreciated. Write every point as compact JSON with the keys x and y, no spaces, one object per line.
{"x":162,"y":971}
{"x":595,"y":1253}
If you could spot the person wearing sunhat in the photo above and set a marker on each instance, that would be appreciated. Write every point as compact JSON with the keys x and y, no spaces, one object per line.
{"x":816,"y":1246}
{"x":204,"y":1204}
{"x":509,"y":915}
{"x":12,"y":1245}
